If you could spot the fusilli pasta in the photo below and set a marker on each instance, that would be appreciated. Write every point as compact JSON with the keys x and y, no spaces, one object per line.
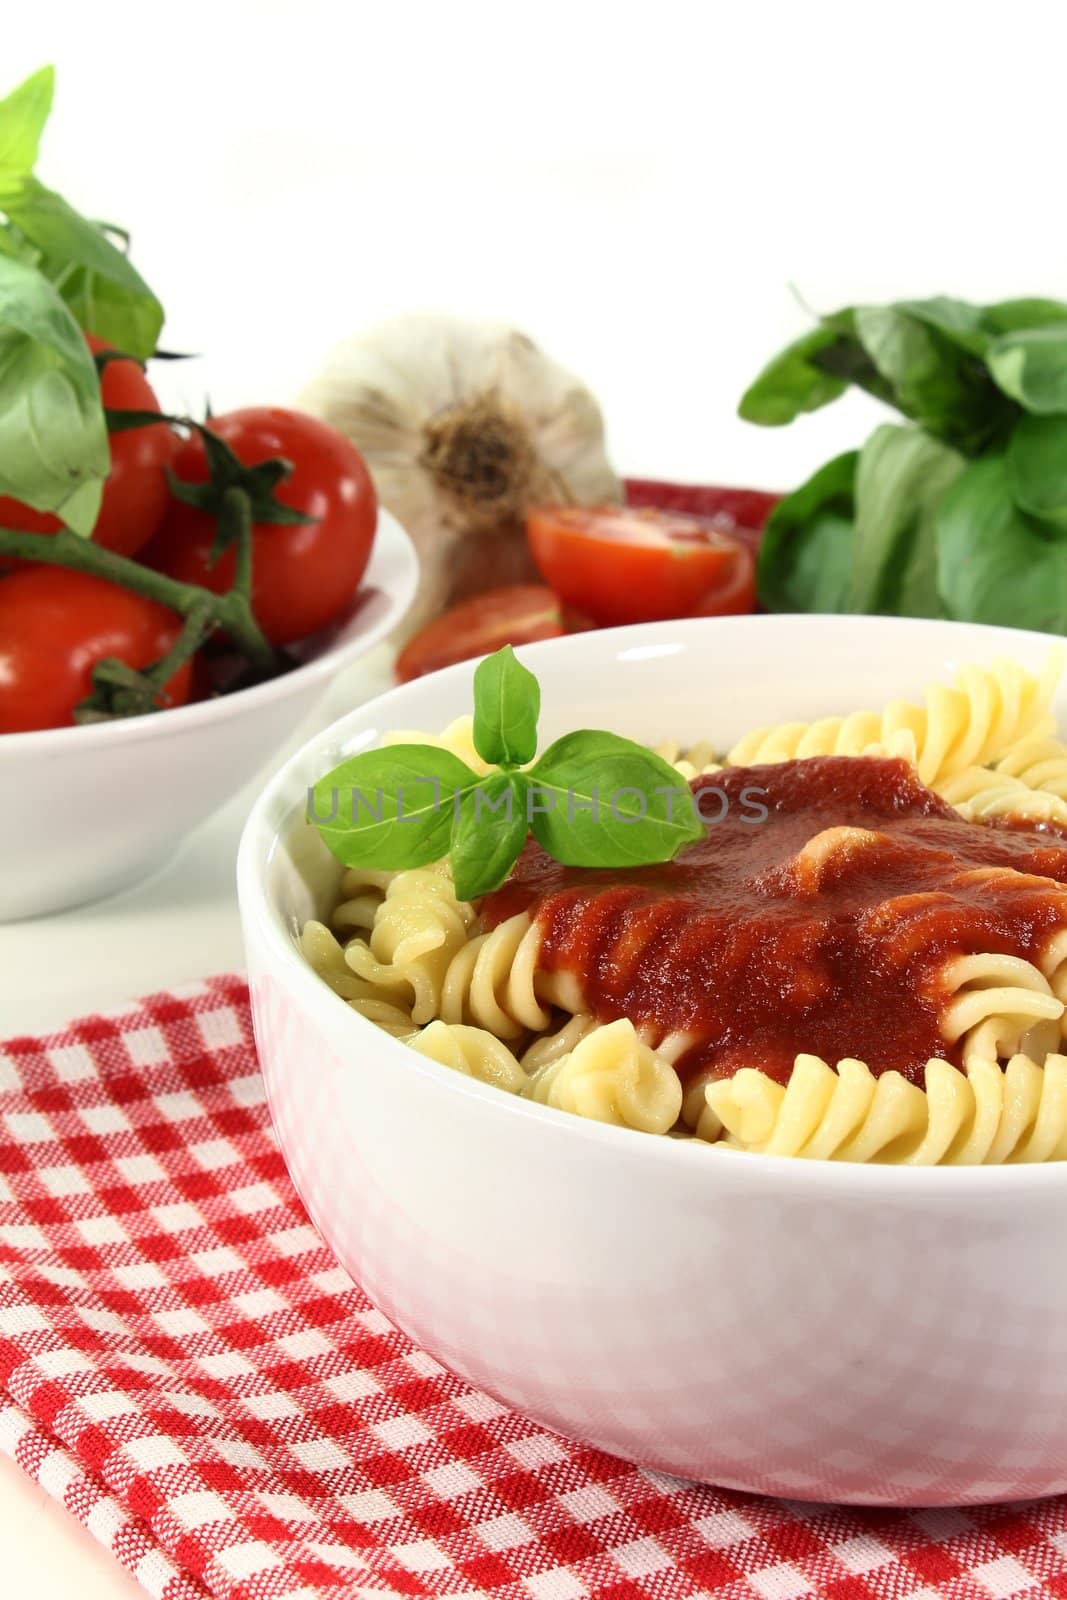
{"x":986,"y":1115}
{"x":972,"y":724}
{"x":473,"y":1051}
{"x":493,"y":982}
{"x":418,"y":930}
{"x":611,"y":1076}
{"x":388,"y":1007}
{"x":994,"y":1001}
{"x":980,"y":793}
{"x":693,"y":761}
{"x":1039,"y":763}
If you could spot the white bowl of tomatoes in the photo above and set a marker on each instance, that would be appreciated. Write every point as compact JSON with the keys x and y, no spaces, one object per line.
{"x":147,"y":673}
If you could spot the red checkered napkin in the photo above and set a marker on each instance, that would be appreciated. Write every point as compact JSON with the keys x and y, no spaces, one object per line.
{"x":188,"y":1371}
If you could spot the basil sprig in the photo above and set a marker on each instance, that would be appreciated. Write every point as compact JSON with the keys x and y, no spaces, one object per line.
{"x":592,"y":799}
{"x":961,"y":511}
{"x":97,"y":280}
{"x":53,"y":442}
{"x":59,"y":273}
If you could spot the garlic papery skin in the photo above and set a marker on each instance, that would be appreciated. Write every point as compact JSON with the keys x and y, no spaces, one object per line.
{"x":463,"y":426}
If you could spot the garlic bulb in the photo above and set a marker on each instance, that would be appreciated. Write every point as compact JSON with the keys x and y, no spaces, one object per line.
{"x":463,"y":425}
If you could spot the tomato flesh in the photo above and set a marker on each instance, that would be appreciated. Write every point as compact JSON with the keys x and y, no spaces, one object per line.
{"x":619,"y":564}
{"x":303,"y":576}
{"x":517,"y":614}
{"x":739,"y":513}
{"x":55,"y":625}
{"x":136,"y":493}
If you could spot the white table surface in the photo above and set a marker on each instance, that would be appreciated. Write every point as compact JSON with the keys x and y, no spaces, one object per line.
{"x":178,"y":925}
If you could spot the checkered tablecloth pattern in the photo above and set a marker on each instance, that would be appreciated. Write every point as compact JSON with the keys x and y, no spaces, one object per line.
{"x":185,"y":1368}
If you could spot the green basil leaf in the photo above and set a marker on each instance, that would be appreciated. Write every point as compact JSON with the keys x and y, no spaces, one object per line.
{"x":1037,"y":467}
{"x":961,"y":323}
{"x":1012,"y":316}
{"x":14,"y":245}
{"x":995,"y":563}
{"x":1031,"y":367}
{"x":23,"y":115}
{"x":805,"y":555}
{"x":390,"y":808}
{"x":847,"y":359}
{"x":901,"y":477}
{"x":507,"y":703}
{"x":598,"y":800}
{"x":936,"y":382}
{"x":53,"y":442}
{"x":488,"y":833}
{"x":793,"y":382}
{"x":103,"y":289}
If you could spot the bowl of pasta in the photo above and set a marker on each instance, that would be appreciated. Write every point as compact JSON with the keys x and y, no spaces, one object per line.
{"x":742,"y":1155}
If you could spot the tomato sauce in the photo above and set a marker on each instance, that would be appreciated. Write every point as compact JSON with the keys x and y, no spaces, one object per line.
{"x":825,"y":928}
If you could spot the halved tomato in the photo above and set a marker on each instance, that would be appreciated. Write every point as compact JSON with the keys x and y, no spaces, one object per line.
{"x":621,"y":564}
{"x":739,"y":513}
{"x":518,"y":614}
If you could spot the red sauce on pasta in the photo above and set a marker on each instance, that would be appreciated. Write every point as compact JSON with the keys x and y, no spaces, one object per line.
{"x":767,"y":938}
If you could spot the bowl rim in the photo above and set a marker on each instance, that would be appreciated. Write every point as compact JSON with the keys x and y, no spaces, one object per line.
{"x":392,"y":572}
{"x":260,"y":840}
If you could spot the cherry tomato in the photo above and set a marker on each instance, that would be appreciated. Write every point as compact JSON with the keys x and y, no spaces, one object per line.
{"x":519,"y":614}
{"x":305,"y":576}
{"x":136,"y":493}
{"x":55,"y":625}
{"x":618,"y":564}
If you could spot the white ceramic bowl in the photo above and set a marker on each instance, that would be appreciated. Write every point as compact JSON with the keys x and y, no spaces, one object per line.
{"x":866,"y":1334}
{"x":86,"y":811}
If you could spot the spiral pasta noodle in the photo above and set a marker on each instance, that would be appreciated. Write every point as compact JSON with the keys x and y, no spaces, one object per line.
{"x":474,"y":1052}
{"x":980,"y":793}
{"x":493,"y":982}
{"x":550,"y":1046}
{"x":1039,"y":763}
{"x":362,"y":892}
{"x":971,"y":724}
{"x":993,"y":1002}
{"x":418,"y":930}
{"x":610,"y":1076}
{"x":691,"y":761}
{"x":388,"y":1007}
{"x":985,"y":1115}
{"x":1054,"y":966}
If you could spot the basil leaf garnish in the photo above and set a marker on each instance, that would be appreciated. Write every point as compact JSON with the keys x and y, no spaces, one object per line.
{"x":598,"y":800}
{"x":488,"y":834}
{"x":593,"y":799}
{"x":507,"y":704}
{"x":390,"y":808}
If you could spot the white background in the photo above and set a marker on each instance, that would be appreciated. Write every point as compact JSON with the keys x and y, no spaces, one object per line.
{"x":636,"y":187}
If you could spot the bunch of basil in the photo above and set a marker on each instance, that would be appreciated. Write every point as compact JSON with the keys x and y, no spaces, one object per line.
{"x":959,"y":512}
{"x":59,"y":274}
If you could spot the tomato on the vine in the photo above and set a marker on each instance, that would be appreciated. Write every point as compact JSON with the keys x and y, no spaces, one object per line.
{"x":55,"y":625}
{"x":620,"y":564}
{"x":136,"y":493}
{"x":303,"y":576}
